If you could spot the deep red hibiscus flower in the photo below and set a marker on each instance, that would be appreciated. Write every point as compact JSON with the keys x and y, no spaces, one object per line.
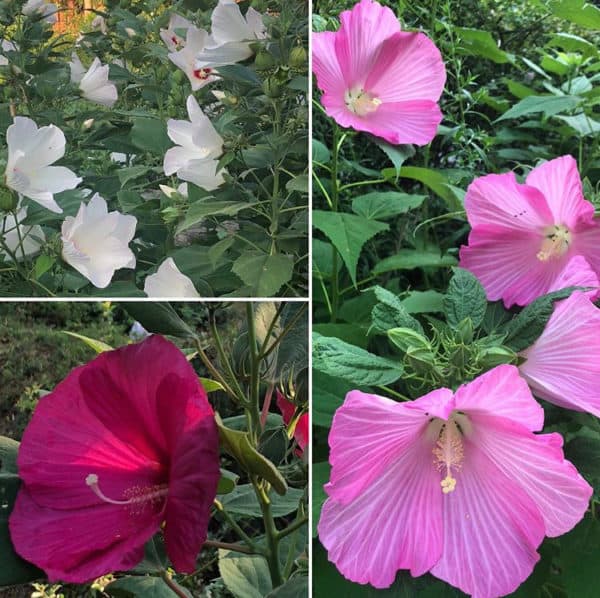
{"x":288,"y":409}
{"x":122,"y":445}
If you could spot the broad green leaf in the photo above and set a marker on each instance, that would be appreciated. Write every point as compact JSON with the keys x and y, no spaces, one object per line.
{"x":580,"y":12}
{"x":245,"y":575}
{"x":385,"y":204}
{"x":299,"y":183}
{"x":328,"y":393}
{"x":158,"y":317}
{"x":242,"y":501}
{"x":320,"y":152}
{"x":43,"y":263}
{"x":295,"y":587}
{"x":548,"y":105}
{"x":265,"y":274}
{"x":200,"y":210}
{"x":418,"y":302}
{"x":350,"y":333}
{"x":465,"y":299}
{"x":227,"y":482}
{"x":573,"y":43}
{"x":320,"y":476}
{"x":582,"y":124}
{"x":9,"y":450}
{"x":398,"y":154}
{"x":348,"y":233}
{"x":476,"y":42}
{"x":390,"y":313}
{"x":584,"y":453}
{"x":130,"y":174}
{"x":142,"y":587}
{"x":578,"y":561}
{"x":150,"y":135}
{"x":408,"y":259}
{"x":525,"y":328}
{"x":337,"y":358}
{"x":96,"y":345}
{"x":238,"y":445}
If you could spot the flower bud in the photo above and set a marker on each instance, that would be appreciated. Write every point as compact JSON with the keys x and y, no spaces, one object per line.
{"x":464,"y":331}
{"x":491,"y":357}
{"x":406,"y":338}
{"x":8,"y":200}
{"x":264,"y":61}
{"x":271,"y":88}
{"x":298,"y":57}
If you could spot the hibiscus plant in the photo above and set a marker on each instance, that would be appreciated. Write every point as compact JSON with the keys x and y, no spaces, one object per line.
{"x":456,"y":278}
{"x":144,"y":466}
{"x":170,"y":132}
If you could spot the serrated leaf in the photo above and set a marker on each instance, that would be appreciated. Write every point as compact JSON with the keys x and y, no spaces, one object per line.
{"x":334,"y":357}
{"x":245,"y":575}
{"x":465,"y":298}
{"x":238,"y":445}
{"x":385,"y":204}
{"x":390,"y":313}
{"x":348,"y":233}
{"x":264,"y":273}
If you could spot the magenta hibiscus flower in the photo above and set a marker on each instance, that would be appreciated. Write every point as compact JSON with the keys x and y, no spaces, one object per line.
{"x":378,"y":79}
{"x":563,"y":365}
{"x":123,"y":444}
{"x":527,"y":240}
{"x":456,"y":484}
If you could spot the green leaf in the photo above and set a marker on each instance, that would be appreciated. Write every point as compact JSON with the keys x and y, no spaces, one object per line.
{"x":150,"y":135}
{"x":418,"y":302}
{"x":9,"y":450}
{"x":295,"y":587}
{"x":390,"y":313}
{"x":298,"y":183}
{"x":407,"y":338}
{"x":242,"y":501}
{"x":582,"y":124}
{"x":129,"y":174}
{"x":227,"y":482}
{"x":320,"y":152}
{"x":408,"y":259}
{"x":43,"y":263}
{"x":245,"y":575}
{"x":350,"y":333}
{"x":385,"y":204}
{"x":578,"y":561}
{"x":321,"y":473}
{"x":142,"y":587}
{"x":525,"y":328}
{"x":348,"y":233}
{"x":398,"y":154}
{"x":238,"y":445}
{"x":265,"y":274}
{"x":337,"y":358}
{"x":328,"y":394}
{"x":580,"y":12}
{"x":465,"y":299}
{"x":584,"y":453}
{"x":211,"y":385}
{"x":475,"y":42}
{"x":548,"y":105}
{"x":431,"y":178}
{"x":159,"y":318}
{"x":200,"y":210}
{"x":96,"y":345}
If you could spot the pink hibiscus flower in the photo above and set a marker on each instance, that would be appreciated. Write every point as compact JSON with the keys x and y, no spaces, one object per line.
{"x":456,"y":484}
{"x":563,"y":365}
{"x":378,"y":79}
{"x":123,"y":444}
{"x":288,"y":409}
{"x":525,"y":238}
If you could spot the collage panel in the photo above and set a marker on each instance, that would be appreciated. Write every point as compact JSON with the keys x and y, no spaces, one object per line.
{"x":154,"y":149}
{"x":153,"y":449}
{"x":456,"y":265}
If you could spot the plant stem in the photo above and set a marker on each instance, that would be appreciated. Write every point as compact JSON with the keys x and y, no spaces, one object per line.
{"x":234,"y":525}
{"x":213,"y":371}
{"x":335,"y":194}
{"x":229,"y":546}
{"x":253,"y":408}
{"x":271,"y":533}
{"x":292,"y":527}
{"x":176,"y":589}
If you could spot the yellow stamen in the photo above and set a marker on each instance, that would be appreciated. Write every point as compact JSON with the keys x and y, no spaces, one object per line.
{"x":360,"y":102}
{"x":449,"y":453}
{"x":557,"y":239}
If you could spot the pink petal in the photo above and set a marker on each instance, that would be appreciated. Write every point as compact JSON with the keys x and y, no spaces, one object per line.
{"x":362,"y":31}
{"x":537,"y":465}
{"x":394,"y":524}
{"x":563,"y":365}
{"x":79,"y":545}
{"x":415,"y":121}
{"x":586,"y":242}
{"x":492,"y":529}
{"x":326,"y":66}
{"x":286,"y":407}
{"x":501,"y":392}
{"x":370,"y":432}
{"x":505,"y":262}
{"x":560,"y":183}
{"x":409,"y":67}
{"x":577,"y":273}
{"x":498,"y":199}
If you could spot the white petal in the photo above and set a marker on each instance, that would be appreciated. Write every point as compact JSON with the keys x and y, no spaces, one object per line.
{"x":168,"y":281}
